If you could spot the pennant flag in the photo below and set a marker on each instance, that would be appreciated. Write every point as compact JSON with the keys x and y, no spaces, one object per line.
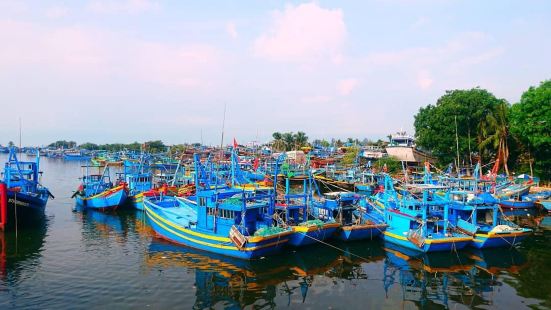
{"x":256,"y":164}
{"x":234,"y":143}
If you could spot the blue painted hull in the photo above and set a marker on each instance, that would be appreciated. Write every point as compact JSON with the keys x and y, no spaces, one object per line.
{"x":137,"y":202}
{"x":103,"y":202}
{"x":299,"y":239}
{"x":427,"y":247}
{"x":206,"y":241}
{"x":502,"y":240}
{"x":76,"y":158}
{"x":511,"y":204}
{"x":25,"y":209}
{"x":546,"y":205}
{"x":360,"y":233}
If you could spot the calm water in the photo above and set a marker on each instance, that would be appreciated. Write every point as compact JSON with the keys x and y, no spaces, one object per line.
{"x":98,"y":260}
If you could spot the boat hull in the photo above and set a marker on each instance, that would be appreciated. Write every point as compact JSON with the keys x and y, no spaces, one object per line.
{"x":256,"y":247}
{"x":306,"y":235}
{"x":109,"y":199}
{"x":24,"y":210}
{"x":359,"y":232}
{"x":481,"y":241}
{"x":430,"y":245}
{"x":512,"y":204}
{"x":137,"y":201}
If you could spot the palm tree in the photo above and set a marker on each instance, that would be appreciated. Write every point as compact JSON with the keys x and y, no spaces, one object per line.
{"x":495,"y":132}
{"x":289,"y":140}
{"x":278,"y":141}
{"x":301,"y":139}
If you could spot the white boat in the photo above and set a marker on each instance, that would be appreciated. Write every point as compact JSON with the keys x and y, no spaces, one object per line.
{"x":402,"y":147}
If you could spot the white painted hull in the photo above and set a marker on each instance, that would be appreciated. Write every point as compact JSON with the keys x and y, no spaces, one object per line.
{"x":409,"y":154}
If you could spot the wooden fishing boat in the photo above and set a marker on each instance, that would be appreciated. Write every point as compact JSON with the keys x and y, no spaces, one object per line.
{"x":225,"y":221}
{"x":478,"y":215}
{"x":229,"y":226}
{"x":419,"y":224}
{"x":343,"y":208}
{"x":98,"y":192}
{"x":516,"y":203}
{"x":25,"y":198}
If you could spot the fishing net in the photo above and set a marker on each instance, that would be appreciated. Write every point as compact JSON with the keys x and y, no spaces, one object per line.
{"x":318,"y":223}
{"x":268,"y":231}
{"x":233,"y":201}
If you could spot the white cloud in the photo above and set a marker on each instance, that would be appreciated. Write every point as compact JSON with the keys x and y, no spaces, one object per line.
{"x":346,"y":86}
{"x":231,"y":30}
{"x":123,"y":6}
{"x":301,"y":33}
{"x":81,"y":52}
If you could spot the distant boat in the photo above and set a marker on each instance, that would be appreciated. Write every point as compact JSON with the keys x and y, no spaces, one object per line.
{"x":25,"y":197}
{"x":402,"y":147}
{"x":98,"y":192}
{"x":76,"y":155}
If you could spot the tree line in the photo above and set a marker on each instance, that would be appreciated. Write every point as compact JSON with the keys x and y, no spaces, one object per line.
{"x":156,"y":146}
{"x":465,"y":126}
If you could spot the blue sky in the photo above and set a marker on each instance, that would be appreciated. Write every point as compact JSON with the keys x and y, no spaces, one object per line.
{"x":134,"y":70}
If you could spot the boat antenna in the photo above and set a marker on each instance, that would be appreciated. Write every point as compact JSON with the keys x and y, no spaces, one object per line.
{"x":19,"y":134}
{"x":221,"y":144}
{"x":457,"y":144}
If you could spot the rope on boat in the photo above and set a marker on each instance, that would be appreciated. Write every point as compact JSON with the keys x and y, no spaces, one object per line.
{"x":326,"y":184}
{"x":335,"y":247}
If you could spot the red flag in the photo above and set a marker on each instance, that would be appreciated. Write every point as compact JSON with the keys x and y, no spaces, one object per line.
{"x":234,"y":143}
{"x":256,"y":164}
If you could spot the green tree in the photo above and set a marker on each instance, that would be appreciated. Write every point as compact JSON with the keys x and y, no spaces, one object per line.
{"x":156,"y":146}
{"x":300,"y":139}
{"x":435,"y":125}
{"x":350,"y":156}
{"x":289,"y":140}
{"x":89,"y":146}
{"x":531,"y":125}
{"x":393,"y":165}
{"x":278,"y":141}
{"x":494,"y":131}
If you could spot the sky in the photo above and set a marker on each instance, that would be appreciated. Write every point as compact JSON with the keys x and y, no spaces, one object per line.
{"x":108,"y":71}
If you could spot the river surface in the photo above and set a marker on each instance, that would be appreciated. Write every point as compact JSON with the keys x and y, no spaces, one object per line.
{"x":91,"y":260}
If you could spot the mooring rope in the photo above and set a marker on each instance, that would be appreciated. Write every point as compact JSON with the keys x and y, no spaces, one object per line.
{"x":334,"y":247}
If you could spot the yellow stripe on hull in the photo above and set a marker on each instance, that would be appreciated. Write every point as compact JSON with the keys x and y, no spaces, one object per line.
{"x":198,"y":234}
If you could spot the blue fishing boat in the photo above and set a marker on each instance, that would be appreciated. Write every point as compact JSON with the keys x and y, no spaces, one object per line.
{"x":343,"y":207}
{"x":546,"y":204}
{"x":74,"y":155}
{"x":479,"y":216}
{"x":417,"y":220}
{"x":25,"y":198}
{"x":519,"y":203}
{"x":233,"y":226}
{"x":291,"y":210}
{"x":139,"y":180}
{"x":476,"y":213}
{"x":97,"y":191}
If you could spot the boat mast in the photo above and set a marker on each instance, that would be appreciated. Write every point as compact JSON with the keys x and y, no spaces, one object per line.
{"x":457,"y":144}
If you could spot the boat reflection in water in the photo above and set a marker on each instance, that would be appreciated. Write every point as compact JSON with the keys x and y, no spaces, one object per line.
{"x":117,"y":225}
{"x":234,"y":283}
{"x":20,"y":252}
{"x":450,"y":278}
